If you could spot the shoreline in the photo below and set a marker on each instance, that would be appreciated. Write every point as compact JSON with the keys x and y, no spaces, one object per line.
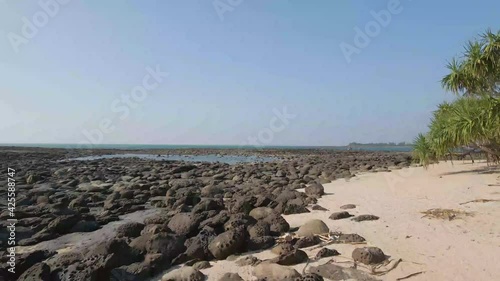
{"x":59,"y":201}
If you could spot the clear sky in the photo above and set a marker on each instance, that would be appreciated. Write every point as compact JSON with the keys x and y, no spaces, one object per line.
{"x":229,"y":69}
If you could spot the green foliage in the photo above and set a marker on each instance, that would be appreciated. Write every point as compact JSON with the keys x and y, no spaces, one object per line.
{"x":478,"y":72}
{"x":473,"y":120}
{"x":422,"y":151}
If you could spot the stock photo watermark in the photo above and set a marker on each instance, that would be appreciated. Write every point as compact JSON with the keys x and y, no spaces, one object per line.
{"x":278,"y":123}
{"x":223,"y":6}
{"x":363,"y":36}
{"x":31,"y":26}
{"x":122,"y":106}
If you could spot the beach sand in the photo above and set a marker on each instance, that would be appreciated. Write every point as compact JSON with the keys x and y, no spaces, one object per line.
{"x":464,"y":248}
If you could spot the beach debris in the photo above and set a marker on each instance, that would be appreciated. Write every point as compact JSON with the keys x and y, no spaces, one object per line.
{"x":313,"y":227}
{"x":347,"y":206}
{"x":361,"y":218}
{"x":325,"y":252}
{"x":186,"y":273}
{"x":286,"y":241}
{"x":480,"y":201}
{"x":410,"y":275}
{"x":340,"y":215}
{"x":275,"y":272}
{"x":368,"y":255}
{"x":447,"y":214}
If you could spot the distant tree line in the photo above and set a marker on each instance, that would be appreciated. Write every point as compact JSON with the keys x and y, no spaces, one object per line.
{"x":380,"y":144}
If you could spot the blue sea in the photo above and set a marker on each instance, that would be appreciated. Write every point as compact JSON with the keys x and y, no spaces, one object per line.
{"x":394,"y":148}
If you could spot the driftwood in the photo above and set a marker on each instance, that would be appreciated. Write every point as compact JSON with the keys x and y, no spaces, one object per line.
{"x":411,"y":275}
{"x":479,"y":201}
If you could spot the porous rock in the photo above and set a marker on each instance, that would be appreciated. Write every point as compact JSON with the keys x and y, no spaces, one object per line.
{"x":227,"y":243}
{"x":361,"y":218}
{"x":368,"y":255}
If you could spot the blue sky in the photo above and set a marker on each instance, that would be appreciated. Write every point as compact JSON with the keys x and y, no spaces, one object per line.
{"x":227,"y":75}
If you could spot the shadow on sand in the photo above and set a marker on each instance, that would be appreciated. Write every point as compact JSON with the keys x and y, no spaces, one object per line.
{"x":495,"y":169}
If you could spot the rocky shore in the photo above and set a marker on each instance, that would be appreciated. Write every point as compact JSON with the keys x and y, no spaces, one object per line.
{"x":191,"y":212}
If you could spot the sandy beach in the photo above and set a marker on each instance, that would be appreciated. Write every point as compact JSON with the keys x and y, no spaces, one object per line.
{"x":464,"y":248}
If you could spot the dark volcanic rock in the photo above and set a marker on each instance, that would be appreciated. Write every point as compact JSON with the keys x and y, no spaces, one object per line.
{"x":259,"y":229}
{"x":351,"y":238}
{"x":307,"y":241}
{"x":325,"y":252}
{"x":227,"y":243}
{"x":185,"y":223}
{"x":361,"y":218}
{"x":243,"y":204}
{"x":169,"y":245}
{"x":315,"y":190}
{"x":368,"y":255}
{"x":291,"y":258}
{"x":38,"y":272}
{"x":133,"y":272}
{"x":63,"y":224}
{"x":277,"y":224}
{"x":318,"y":208}
{"x":60,"y":197}
{"x":334,"y":272}
{"x":348,"y":206}
{"x":340,"y":215}
{"x":130,"y":229}
{"x":85,"y":226}
{"x":197,"y":247}
{"x":99,"y":261}
{"x":25,"y":261}
{"x":208,"y":205}
{"x":260,"y":243}
{"x":260,"y":213}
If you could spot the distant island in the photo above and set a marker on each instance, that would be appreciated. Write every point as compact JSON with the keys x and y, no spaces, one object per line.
{"x":380,"y":144}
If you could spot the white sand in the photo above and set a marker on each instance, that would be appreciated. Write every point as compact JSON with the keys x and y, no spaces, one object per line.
{"x":460,"y":249}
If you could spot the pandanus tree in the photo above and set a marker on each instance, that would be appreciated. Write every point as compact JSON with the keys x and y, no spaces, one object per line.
{"x":472,"y":120}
